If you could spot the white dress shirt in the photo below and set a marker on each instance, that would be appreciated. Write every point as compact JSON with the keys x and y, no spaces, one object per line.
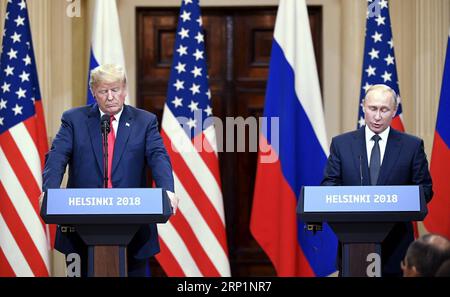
{"x":382,"y":142}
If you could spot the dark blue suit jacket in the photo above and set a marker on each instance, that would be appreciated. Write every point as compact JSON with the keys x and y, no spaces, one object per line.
{"x":138,"y":145}
{"x":404,"y":163}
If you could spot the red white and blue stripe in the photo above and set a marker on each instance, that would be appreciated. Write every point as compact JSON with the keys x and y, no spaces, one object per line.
{"x":293,"y":96}
{"x":438,"y":218}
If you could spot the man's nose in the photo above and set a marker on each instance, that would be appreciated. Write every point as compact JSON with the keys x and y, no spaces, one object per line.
{"x":378,"y":114}
{"x":110,"y":95}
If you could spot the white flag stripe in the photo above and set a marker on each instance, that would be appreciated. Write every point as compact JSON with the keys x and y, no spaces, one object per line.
{"x":294,"y":37}
{"x":12,"y":251}
{"x":199,"y":169}
{"x":178,"y":249}
{"x":202,"y":231}
{"x":210,"y":135}
{"x":106,"y":37}
{"x":28,"y":150}
{"x":23,"y":207}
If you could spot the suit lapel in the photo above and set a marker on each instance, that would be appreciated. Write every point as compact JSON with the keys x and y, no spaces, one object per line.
{"x":95,"y":134}
{"x":123,"y":133}
{"x":391,"y":156}
{"x":360,"y":155}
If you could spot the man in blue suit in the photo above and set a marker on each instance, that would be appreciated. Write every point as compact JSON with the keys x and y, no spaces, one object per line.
{"x":137,"y":144}
{"x":376,"y":154}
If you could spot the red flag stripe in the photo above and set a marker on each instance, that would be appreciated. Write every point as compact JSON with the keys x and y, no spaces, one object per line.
{"x":5,"y":269}
{"x":168,"y":261}
{"x":40,"y":136}
{"x":437,"y":220}
{"x":208,"y":155}
{"x":12,"y":252}
{"x":197,"y":194}
{"x":37,"y":131}
{"x":23,"y":206}
{"x":201,"y":232}
{"x":21,"y":169}
{"x":21,"y":235}
{"x":196,"y":250}
{"x":397,"y":123}
{"x":178,"y":249}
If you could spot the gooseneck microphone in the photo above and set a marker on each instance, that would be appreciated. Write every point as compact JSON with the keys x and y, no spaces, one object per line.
{"x":104,"y":123}
{"x":106,"y":128}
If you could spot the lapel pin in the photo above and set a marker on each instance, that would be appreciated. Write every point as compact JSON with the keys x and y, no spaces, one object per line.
{"x":127,"y":124}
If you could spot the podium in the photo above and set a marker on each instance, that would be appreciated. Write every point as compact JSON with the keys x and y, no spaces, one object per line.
{"x":361,"y":217}
{"x":106,"y":220}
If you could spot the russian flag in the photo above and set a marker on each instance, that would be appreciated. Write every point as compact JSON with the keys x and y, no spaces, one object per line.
{"x":438,"y":218}
{"x":106,"y":42}
{"x":291,"y":155}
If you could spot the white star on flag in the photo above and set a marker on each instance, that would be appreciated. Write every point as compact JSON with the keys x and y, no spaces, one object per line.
{"x":182,"y":50}
{"x":184,"y":33}
{"x":374,"y":54}
{"x":197,"y":71}
{"x":180,"y":67}
{"x":21,"y":93}
{"x":193,"y":106}
{"x":195,"y":89}
{"x":177,"y":102}
{"x":179,"y":85}
{"x":17,"y":109}
{"x":198,"y":54}
{"x":370,"y":70}
{"x":186,"y":16}
{"x":377,"y":37}
{"x":389,"y":60}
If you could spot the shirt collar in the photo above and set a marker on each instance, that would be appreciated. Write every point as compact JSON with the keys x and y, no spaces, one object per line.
{"x":384,"y":135}
{"x":116,"y":116}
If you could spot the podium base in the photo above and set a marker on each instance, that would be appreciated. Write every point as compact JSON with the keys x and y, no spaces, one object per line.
{"x":115,"y":266}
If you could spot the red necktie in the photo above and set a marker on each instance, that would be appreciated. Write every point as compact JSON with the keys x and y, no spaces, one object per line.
{"x":111,"y":141}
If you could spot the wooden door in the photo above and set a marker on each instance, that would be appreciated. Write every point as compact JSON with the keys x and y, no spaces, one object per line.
{"x":238,"y":43}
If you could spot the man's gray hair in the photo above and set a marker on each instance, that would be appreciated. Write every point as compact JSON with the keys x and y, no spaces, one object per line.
{"x":382,"y":88}
{"x":107,"y":73}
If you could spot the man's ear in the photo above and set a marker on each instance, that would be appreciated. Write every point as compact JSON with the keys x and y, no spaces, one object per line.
{"x":395,"y":112}
{"x":414,"y":271}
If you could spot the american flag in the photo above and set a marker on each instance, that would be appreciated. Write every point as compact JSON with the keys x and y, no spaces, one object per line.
{"x":379,"y":58}
{"x":24,"y":249}
{"x":193,"y":242}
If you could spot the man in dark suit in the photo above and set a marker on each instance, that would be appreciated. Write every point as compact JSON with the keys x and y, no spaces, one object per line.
{"x":376,"y":154}
{"x":137,"y":144}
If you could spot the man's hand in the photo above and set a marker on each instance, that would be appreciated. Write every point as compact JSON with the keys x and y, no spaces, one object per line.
{"x":41,"y":198}
{"x":173,"y":201}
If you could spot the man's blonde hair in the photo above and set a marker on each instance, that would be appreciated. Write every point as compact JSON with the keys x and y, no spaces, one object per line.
{"x":383,"y":88}
{"x":107,"y":73}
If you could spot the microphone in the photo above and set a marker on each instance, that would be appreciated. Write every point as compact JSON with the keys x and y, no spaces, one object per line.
{"x":360,"y":169}
{"x":104,"y":123}
{"x":105,"y":127}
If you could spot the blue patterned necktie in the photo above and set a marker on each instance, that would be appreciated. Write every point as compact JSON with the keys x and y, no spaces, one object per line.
{"x":375,"y":160}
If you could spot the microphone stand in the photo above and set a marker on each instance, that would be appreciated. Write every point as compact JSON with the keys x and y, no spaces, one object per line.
{"x":105,"y":130}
